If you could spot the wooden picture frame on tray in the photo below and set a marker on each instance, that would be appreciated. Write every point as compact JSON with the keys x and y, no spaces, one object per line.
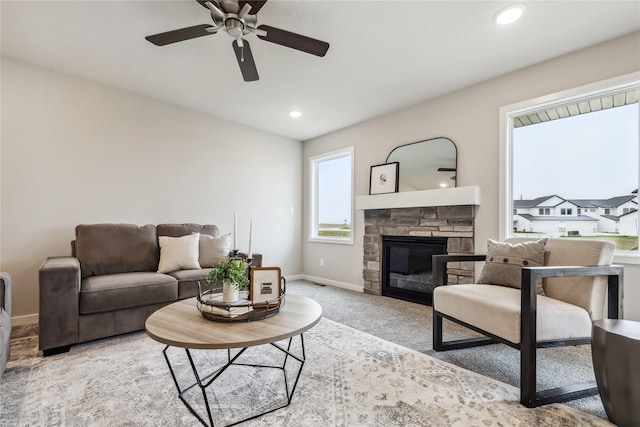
{"x":384,"y":178}
{"x":266,"y":284}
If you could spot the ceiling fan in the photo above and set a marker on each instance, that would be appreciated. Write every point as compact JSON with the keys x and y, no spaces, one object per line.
{"x":238,"y":18}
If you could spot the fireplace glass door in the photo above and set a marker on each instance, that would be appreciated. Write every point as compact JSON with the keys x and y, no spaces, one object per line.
{"x":406,"y":266}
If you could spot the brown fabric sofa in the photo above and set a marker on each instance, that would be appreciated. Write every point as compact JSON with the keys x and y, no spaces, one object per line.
{"x":110,"y":284}
{"x":5,"y":320}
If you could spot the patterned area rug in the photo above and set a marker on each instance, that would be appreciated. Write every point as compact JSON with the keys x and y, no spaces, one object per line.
{"x":350,"y":379}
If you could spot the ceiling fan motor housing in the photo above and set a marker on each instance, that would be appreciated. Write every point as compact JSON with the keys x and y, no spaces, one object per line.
{"x":234,"y":27}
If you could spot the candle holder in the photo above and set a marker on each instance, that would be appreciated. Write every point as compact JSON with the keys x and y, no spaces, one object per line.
{"x":234,"y":254}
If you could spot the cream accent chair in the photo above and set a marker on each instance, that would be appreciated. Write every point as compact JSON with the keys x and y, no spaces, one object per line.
{"x":577,"y":278}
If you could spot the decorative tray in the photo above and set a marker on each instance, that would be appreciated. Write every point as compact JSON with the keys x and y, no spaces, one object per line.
{"x":212,"y":307}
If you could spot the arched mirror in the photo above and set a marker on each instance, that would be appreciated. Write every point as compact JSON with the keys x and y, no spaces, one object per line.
{"x":426,"y":165}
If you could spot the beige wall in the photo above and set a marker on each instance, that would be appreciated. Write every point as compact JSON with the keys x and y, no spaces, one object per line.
{"x":470,"y":118}
{"x":77,"y":152}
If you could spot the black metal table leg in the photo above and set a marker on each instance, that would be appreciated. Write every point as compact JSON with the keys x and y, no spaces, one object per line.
{"x":204,"y":382}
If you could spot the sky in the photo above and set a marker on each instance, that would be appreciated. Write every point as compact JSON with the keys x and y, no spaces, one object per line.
{"x":334,"y":191}
{"x":589,"y":156}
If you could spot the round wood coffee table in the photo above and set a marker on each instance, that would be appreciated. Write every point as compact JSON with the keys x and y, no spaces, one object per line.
{"x":181,"y":325}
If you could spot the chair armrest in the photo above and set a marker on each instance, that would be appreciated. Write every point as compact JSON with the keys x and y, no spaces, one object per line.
{"x":439,"y":265}
{"x":5,"y":292}
{"x":59,"y":279}
{"x":530,"y":276}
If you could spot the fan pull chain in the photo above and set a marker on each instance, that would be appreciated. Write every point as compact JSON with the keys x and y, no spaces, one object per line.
{"x":241,"y":46}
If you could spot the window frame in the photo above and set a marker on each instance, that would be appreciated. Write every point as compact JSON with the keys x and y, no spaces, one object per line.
{"x":509,"y":112}
{"x":314,"y":161}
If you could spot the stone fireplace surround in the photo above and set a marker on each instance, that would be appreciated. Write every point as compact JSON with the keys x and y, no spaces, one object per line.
{"x":454,"y":222}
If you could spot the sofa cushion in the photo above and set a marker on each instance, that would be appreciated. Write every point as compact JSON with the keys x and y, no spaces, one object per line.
{"x":214,"y":249}
{"x":116,"y":248}
{"x":505,"y":261}
{"x":496,"y":309}
{"x":111,"y":292}
{"x":177,"y":253}
{"x":188,"y":281}
{"x":179,"y":230}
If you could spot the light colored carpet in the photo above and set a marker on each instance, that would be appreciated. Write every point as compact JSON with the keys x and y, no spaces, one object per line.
{"x":409,"y":324}
{"x":350,"y":379}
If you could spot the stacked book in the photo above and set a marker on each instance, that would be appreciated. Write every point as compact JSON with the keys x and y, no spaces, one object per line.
{"x":233,"y":309}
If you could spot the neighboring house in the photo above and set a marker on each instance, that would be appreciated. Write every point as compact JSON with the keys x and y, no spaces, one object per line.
{"x":628,"y":223}
{"x":558,"y":216}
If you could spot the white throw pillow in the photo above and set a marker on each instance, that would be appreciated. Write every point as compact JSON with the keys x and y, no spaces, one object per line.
{"x":178,"y":253}
{"x":214,"y":249}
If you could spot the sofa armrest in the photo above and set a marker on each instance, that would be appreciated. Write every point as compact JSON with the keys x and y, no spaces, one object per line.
{"x":439,"y":265}
{"x":530,"y":276}
{"x":59,"y":302}
{"x":5,"y":292}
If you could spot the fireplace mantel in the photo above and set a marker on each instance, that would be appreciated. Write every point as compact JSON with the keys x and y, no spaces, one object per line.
{"x":410,"y":199}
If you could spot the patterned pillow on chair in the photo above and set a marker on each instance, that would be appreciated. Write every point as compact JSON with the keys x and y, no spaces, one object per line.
{"x":505,"y":261}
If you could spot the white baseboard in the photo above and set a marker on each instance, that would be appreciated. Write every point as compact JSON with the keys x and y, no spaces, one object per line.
{"x":335,"y":283}
{"x":24,"y":320}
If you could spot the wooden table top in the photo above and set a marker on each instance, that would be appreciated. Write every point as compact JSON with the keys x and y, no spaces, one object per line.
{"x":182,"y":325}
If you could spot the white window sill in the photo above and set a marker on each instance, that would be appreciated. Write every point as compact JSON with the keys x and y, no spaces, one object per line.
{"x":626,"y":257}
{"x":331,"y":241}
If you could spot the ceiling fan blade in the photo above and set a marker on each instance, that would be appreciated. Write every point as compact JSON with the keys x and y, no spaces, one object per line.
{"x":244,"y":11}
{"x":245,"y":61}
{"x":215,"y":10}
{"x":294,"y":41}
{"x":179,"y":35}
{"x":255,"y":5}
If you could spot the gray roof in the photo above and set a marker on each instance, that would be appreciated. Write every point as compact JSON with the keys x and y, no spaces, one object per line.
{"x":603,"y":203}
{"x":532,"y":203}
{"x":557,"y":218}
{"x":616,"y":218}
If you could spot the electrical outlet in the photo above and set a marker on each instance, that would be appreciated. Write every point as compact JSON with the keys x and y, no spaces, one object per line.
{"x":291,"y":210}
{"x":321,"y":262}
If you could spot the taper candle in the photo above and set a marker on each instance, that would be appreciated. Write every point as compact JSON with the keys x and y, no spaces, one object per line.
{"x":250,"y":239}
{"x":235,"y":231}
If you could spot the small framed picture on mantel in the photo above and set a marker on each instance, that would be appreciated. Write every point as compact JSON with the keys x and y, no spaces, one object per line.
{"x":384,"y":178}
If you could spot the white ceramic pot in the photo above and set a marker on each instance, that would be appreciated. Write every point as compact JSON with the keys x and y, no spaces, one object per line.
{"x":229,"y":293}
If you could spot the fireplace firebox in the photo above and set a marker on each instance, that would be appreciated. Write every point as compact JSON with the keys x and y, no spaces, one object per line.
{"x":406,"y":266}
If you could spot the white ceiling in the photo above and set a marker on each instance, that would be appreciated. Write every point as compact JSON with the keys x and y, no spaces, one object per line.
{"x":384,"y":55}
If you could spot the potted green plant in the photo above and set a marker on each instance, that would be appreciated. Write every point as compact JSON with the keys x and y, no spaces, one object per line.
{"x":232,"y":273}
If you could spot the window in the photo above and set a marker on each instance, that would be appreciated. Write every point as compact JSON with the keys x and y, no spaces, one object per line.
{"x":331,"y":197}
{"x":544,"y":211}
{"x":595,"y":130}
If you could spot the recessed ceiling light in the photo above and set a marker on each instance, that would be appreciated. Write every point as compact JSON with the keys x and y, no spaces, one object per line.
{"x":509,"y":14}
{"x":443,"y":185}
{"x":295,"y":113}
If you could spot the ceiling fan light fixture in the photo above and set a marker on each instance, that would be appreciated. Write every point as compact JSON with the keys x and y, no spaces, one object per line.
{"x":295,"y":113}
{"x":509,"y":14}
